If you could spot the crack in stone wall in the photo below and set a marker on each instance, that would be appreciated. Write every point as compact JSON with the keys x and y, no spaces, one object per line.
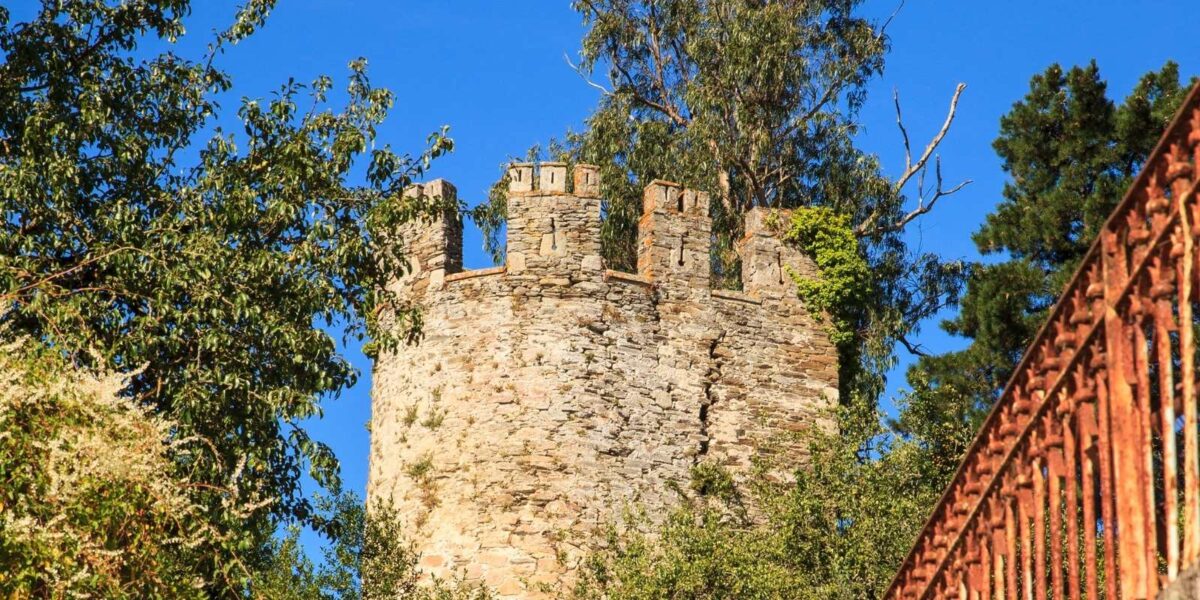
{"x":712,"y":376}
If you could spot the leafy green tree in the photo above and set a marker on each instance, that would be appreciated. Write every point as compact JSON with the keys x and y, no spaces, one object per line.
{"x":368,"y":558}
{"x":141,"y":235}
{"x":1071,"y":152}
{"x":837,"y":532}
{"x":757,"y":103}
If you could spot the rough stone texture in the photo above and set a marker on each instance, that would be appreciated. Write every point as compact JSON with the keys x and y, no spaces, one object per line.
{"x":549,"y":394}
{"x":1185,"y":587}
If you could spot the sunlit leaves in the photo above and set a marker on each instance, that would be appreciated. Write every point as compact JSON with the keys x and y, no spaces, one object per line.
{"x":141,"y":231}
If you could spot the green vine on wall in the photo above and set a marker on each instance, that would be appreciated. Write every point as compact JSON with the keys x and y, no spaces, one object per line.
{"x":843,"y":277}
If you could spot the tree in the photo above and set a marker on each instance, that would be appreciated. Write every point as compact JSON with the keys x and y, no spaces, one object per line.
{"x":90,"y":502}
{"x":756,"y":102}
{"x":142,"y":236}
{"x":93,"y":505}
{"x":1071,"y":153}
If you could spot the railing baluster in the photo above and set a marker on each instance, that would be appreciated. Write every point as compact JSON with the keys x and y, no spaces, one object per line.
{"x":1164,"y":323}
{"x":1039,"y":524}
{"x":1024,"y":502}
{"x":1055,"y":471}
{"x":1145,"y":435}
{"x":999,"y":549}
{"x":1070,"y":428}
{"x":1011,"y":534}
{"x":1087,"y":459}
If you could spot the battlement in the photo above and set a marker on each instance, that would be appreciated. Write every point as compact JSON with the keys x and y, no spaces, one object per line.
{"x":551,"y":178}
{"x":554,"y":231}
{"x":549,"y":393}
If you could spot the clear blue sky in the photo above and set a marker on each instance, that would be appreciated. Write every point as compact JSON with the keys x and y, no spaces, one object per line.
{"x":495,"y":72}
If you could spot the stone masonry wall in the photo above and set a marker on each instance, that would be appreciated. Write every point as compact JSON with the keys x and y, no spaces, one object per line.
{"x":549,"y":394}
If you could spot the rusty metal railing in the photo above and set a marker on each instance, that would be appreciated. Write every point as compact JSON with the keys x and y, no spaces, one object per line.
{"x":1085,"y":479}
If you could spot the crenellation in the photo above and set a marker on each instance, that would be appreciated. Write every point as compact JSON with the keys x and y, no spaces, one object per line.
{"x":767,"y":261}
{"x":432,"y":247}
{"x":550,"y":393}
{"x":674,"y":239}
{"x":520,"y":177}
{"x":551,"y":233}
{"x":587,"y":180}
{"x":552,"y":178}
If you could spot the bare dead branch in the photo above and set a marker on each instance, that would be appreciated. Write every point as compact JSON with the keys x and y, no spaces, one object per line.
{"x":892,"y":16}
{"x":914,"y":349}
{"x":924,"y":206}
{"x":911,"y":168}
{"x":919,"y":168}
{"x":582,"y":75}
{"x":903,"y":131}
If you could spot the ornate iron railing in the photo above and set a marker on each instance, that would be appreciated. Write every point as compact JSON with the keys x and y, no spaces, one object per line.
{"x":1084,"y":480}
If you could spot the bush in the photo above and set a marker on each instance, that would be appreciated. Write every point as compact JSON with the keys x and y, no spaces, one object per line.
{"x":94,"y":500}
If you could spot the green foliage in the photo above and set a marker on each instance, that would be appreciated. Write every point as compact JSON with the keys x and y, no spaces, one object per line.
{"x":369,"y":559}
{"x":420,"y":469}
{"x":1071,"y":152}
{"x":94,"y":501}
{"x":97,"y":500}
{"x":411,"y":413}
{"x":434,"y":418}
{"x":713,"y":481}
{"x":695,"y":554}
{"x":838,"y":531}
{"x":755,"y":102}
{"x":842,"y":285}
{"x":139,"y":234}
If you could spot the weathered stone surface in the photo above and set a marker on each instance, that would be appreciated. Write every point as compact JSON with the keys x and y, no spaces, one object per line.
{"x":1186,"y":587}
{"x":547,"y":396}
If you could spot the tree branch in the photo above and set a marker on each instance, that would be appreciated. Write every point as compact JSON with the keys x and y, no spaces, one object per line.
{"x":918,"y":169}
{"x":579,"y":71}
{"x":910,"y":168}
{"x":914,"y":349}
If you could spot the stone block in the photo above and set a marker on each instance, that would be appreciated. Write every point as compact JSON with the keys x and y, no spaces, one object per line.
{"x":520,"y":177}
{"x":552,"y":177}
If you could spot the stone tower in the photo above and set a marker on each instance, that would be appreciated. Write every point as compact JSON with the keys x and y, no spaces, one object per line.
{"x":549,"y":393}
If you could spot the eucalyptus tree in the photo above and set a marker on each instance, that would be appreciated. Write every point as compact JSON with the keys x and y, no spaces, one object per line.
{"x":145,"y":231}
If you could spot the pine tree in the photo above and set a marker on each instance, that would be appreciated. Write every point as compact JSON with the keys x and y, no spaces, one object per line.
{"x":1070,"y":152}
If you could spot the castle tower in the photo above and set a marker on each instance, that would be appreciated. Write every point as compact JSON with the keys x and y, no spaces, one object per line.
{"x":548,"y":394}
